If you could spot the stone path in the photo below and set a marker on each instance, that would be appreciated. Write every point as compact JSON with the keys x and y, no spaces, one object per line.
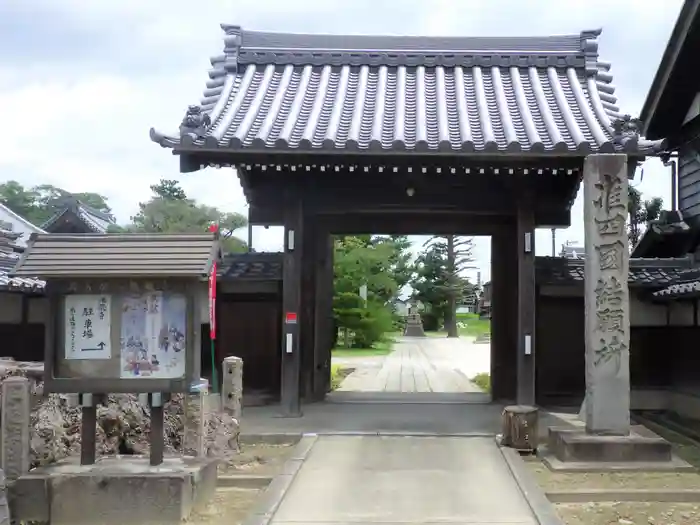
{"x":427,"y":364}
{"x":404,"y":480}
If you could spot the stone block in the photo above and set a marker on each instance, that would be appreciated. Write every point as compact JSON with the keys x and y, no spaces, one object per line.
{"x":569,"y":445}
{"x":606,"y":295}
{"x":117,"y":489}
{"x":14,"y":430}
{"x":4,"y":506}
{"x":195,"y":423}
{"x":232,"y":386}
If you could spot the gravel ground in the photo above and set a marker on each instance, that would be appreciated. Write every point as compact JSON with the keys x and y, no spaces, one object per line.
{"x":231,"y":506}
{"x":549,"y":480}
{"x":629,"y":513}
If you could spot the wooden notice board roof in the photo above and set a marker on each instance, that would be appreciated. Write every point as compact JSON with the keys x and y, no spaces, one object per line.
{"x":119,"y":255}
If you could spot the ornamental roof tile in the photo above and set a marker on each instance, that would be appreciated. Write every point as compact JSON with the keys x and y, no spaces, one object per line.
{"x":332,"y":93}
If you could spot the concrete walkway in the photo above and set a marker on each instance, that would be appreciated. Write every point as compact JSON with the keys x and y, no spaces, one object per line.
{"x":429,"y":364}
{"x":404,"y":480}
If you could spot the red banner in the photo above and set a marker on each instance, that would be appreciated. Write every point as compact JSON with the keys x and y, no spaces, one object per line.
{"x":212,"y":302}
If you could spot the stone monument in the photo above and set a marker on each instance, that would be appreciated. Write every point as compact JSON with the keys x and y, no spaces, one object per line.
{"x":414,"y":324}
{"x":608,"y":435}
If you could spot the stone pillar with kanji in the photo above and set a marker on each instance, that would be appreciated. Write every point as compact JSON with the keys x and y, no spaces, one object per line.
{"x":605,"y":186}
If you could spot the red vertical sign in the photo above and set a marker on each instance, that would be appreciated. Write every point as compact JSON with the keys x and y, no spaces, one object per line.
{"x":214,"y":228}
{"x":212,"y":302}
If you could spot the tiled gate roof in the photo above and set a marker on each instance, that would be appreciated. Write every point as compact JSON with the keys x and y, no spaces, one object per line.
{"x":288,"y":92}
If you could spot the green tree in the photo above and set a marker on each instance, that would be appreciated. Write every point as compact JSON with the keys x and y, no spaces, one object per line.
{"x":399,"y":262}
{"x":363,"y":261}
{"x":170,"y":211}
{"x":169,"y":189}
{"x":438,"y":281}
{"x":39,"y":203}
{"x":641,"y":212}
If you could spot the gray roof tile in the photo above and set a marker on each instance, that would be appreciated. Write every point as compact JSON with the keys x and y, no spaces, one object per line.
{"x":644,"y":272}
{"x":540,"y":95}
{"x":252,"y":266}
{"x":118,"y":255}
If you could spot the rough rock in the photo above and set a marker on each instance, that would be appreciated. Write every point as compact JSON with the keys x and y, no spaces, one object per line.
{"x":123,"y":424}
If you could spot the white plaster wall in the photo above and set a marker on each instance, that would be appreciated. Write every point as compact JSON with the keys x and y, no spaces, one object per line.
{"x":10,"y":308}
{"x":38,"y":309}
{"x":646,"y":314}
{"x":642,"y":313}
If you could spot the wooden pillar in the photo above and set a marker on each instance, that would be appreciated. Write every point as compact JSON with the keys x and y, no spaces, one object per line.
{"x":307,"y":317}
{"x":291,"y":306}
{"x":323,"y":325}
{"x":525,"y":227}
{"x":503,"y":316}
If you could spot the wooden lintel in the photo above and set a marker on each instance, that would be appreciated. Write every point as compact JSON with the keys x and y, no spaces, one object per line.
{"x":194,"y":159}
{"x":416,"y":224}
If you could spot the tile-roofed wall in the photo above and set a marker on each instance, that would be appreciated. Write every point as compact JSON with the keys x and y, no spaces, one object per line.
{"x":119,"y":255}
{"x":651,"y":273}
{"x":252,"y":266}
{"x":9,"y":256}
{"x":545,"y":95}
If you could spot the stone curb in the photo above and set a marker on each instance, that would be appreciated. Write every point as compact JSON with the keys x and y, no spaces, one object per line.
{"x":270,"y":438}
{"x":630,"y":495}
{"x":244,"y":481}
{"x":406,"y":434}
{"x":273,"y":495}
{"x":541,"y":507}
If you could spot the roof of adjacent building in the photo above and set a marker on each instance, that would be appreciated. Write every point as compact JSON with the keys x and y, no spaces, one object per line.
{"x":9,"y":255}
{"x":668,"y":236}
{"x":252,"y":266}
{"x":9,"y":220}
{"x":673,"y":89}
{"x":686,"y":287}
{"x":274,"y":92}
{"x":572,"y":252}
{"x":645,"y":273}
{"x":119,"y":255}
{"x":96,"y":221}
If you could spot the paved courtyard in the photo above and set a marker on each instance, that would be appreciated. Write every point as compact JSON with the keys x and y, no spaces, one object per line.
{"x":419,"y":365}
{"x":404,"y":480}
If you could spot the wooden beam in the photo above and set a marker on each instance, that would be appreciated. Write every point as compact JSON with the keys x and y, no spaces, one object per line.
{"x":526,"y":299}
{"x":416,"y":224}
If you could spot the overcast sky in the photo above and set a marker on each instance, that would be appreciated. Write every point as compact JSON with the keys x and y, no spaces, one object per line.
{"x":82,"y":81}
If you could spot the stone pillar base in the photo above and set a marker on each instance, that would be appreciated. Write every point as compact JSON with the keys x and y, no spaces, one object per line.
{"x":575,"y":450}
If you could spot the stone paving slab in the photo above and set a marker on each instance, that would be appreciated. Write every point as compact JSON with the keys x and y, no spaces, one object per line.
{"x":419,"y":365}
{"x":404,"y":480}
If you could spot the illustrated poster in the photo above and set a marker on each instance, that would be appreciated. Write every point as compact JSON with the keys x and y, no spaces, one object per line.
{"x":153,"y":332}
{"x":87,"y":326}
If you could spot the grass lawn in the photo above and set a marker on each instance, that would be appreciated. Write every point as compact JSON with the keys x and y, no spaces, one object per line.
{"x":475,"y":327}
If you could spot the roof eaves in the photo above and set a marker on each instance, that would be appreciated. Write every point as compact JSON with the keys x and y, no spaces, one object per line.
{"x":686,"y":18}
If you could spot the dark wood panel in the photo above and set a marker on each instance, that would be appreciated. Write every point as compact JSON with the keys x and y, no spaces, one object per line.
{"x":560,"y":348}
{"x":22,"y":342}
{"x":249,"y":328}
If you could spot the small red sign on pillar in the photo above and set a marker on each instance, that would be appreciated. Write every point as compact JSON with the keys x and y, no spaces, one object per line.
{"x":290,"y":318}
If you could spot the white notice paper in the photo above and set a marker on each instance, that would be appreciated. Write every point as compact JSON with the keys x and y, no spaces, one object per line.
{"x":88,"y":326}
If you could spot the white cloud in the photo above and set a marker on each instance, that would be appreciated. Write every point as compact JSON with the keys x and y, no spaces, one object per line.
{"x":79,"y":103}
